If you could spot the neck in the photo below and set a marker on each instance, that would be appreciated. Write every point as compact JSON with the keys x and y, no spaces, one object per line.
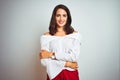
{"x":60,"y":29}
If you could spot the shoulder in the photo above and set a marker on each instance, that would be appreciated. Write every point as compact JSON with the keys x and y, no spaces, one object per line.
{"x":75,"y":32}
{"x":46,"y":37}
{"x":47,"y":33}
{"x":76,"y":35}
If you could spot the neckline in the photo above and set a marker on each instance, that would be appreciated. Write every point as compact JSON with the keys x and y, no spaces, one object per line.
{"x":60,"y":36}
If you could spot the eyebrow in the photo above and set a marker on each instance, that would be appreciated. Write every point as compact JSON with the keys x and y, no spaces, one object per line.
{"x":60,"y":14}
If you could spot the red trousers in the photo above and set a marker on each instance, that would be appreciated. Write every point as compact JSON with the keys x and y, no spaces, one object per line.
{"x":66,"y":75}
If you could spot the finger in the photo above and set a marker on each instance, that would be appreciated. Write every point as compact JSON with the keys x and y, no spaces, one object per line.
{"x":42,"y":50}
{"x":77,"y":66}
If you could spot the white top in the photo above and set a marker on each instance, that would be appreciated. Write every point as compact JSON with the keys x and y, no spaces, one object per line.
{"x":66,"y":48}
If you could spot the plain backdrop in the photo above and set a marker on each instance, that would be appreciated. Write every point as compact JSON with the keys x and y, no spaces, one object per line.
{"x":22,"y":22}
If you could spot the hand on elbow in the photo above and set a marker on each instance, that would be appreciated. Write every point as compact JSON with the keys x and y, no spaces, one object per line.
{"x":45,"y":54}
{"x":73,"y":65}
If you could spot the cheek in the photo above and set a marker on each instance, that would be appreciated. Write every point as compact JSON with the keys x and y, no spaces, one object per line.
{"x":56,"y":18}
{"x":66,"y":19}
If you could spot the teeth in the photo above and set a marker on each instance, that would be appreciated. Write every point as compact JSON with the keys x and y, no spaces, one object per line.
{"x":61,"y":22}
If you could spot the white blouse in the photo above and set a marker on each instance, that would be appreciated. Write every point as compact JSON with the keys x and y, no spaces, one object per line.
{"x":66,"y":48}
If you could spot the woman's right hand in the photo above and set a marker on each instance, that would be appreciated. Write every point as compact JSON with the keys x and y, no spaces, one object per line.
{"x":45,"y":54}
{"x":73,"y":65}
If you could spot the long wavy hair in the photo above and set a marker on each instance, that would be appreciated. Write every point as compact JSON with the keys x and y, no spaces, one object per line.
{"x":53,"y":26}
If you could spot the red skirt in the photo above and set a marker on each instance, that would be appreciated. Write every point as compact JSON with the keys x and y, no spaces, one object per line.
{"x":66,"y":75}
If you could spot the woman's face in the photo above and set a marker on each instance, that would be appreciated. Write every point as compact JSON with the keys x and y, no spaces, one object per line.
{"x":61,"y":17}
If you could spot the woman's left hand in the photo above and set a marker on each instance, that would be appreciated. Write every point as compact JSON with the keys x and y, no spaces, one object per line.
{"x":45,"y":54}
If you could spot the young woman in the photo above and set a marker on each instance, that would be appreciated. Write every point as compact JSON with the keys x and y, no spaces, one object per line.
{"x":60,"y":47}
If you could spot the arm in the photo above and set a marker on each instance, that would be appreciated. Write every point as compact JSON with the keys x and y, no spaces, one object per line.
{"x":46,"y":60}
{"x":73,"y":65}
{"x":72,"y":54}
{"x":44,"y":55}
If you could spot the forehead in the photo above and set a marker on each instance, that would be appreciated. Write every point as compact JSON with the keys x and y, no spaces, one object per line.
{"x":61,"y":11}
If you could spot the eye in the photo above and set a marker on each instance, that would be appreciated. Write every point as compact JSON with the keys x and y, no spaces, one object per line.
{"x":57,"y":15}
{"x":64,"y":15}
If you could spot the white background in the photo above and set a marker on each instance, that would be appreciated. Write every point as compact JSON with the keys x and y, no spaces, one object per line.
{"x":24,"y":21}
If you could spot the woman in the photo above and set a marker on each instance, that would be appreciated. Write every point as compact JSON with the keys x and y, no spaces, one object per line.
{"x":60,"y":47}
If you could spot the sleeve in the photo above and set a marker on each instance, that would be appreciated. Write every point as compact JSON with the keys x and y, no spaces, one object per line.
{"x":72,"y":54}
{"x":44,"y":44}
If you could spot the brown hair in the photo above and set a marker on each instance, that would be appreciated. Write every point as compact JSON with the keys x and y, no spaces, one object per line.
{"x":53,"y":27}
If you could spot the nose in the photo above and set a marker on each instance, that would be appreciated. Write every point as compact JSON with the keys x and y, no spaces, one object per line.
{"x":61,"y":17}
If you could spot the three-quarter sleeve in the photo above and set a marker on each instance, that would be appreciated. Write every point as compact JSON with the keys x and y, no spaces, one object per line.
{"x":71,"y":54}
{"x":44,"y":44}
{"x":53,"y":67}
{"x":54,"y":44}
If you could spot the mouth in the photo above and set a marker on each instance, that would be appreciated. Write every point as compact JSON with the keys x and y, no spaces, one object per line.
{"x":61,"y":22}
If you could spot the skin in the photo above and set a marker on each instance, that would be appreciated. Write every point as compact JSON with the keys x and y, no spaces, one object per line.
{"x":46,"y":54}
{"x":61,"y":20}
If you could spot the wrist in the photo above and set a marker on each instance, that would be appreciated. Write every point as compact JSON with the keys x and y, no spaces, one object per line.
{"x":68,"y":64}
{"x":52,"y":55}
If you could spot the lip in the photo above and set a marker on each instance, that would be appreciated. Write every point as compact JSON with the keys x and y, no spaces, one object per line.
{"x":61,"y":22}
